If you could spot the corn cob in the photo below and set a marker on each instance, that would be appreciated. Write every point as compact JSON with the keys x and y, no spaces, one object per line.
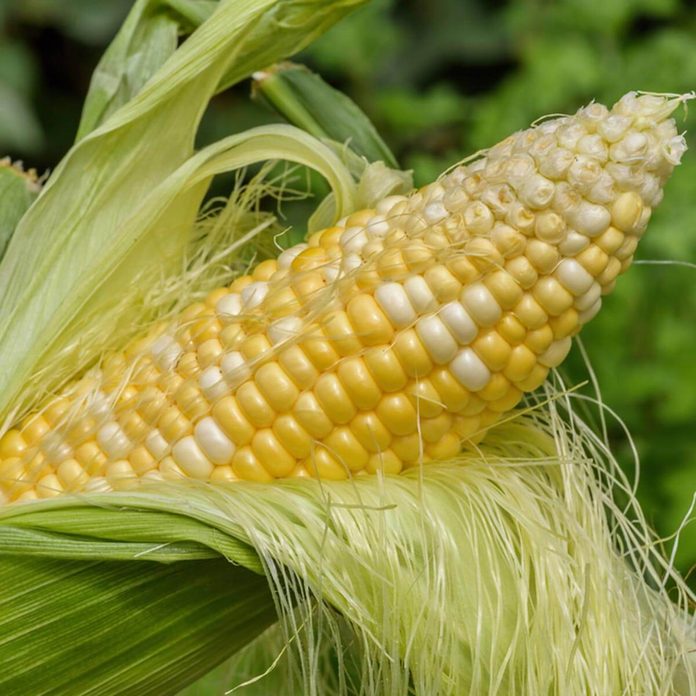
{"x":388,"y":340}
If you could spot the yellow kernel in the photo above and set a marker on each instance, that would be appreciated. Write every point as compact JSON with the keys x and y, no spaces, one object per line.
{"x":12,"y":444}
{"x":407,"y":448}
{"x":530,"y":313}
{"x":310,"y":415}
{"x":360,"y":218}
{"x":141,"y":460}
{"x":610,"y":273}
{"x":511,"y":329}
{"x":169,"y":382}
{"x":274,"y":458}
{"x":254,"y":346}
{"x":552,"y":296}
{"x":565,"y":324}
{"x":292,"y":436}
{"x":446,"y":448}
{"x":238,"y":284}
{"x":411,"y":354}
{"x":466,"y":426}
{"x":339,"y":329}
{"x":333,"y":399}
{"x":489,"y":418}
{"x":170,"y":470}
{"x":450,"y":391}
{"x":506,"y":402}
{"x":425,"y":398}
{"x":462,"y":269}
{"x":505,"y":288}
{"x":385,"y":368}
{"x":214,"y":296}
{"x":508,"y":240}
{"x":539,"y":339}
{"x":344,"y":447}
{"x":34,"y":429}
{"x":265,"y":269}
{"x":398,"y":414}
{"x":134,"y":426}
{"x":150,"y":404}
{"x":223,"y":474}
{"x":496,"y":388}
{"x":49,"y":486}
{"x":120,"y":475}
{"x":280,"y":302}
{"x":391,"y":264}
{"x":247,"y":467}
{"x":91,"y":457}
{"x":593,"y":260}
{"x":483,"y":254}
{"x":522,"y":271}
{"x":520,"y":364}
{"x":56,"y":411}
{"x":367,"y":279}
{"x":368,"y":321}
{"x":309,"y":259}
{"x":330,"y":237}
{"x":72,"y":475}
{"x":535,"y":379}
{"x":370,"y":431}
{"x":386,"y":462}
{"x":549,"y":227}
{"x":358,"y":383}
{"x":543,"y":256}
{"x":254,"y":406}
{"x":627,"y":248}
{"x":298,"y":366}
{"x":443,"y":283}
{"x":323,"y":465}
{"x":173,"y":424}
{"x":473,"y":407}
{"x":626,"y":211}
{"x":610,"y":240}
{"x":276,"y":387}
{"x":308,"y":286}
{"x":417,"y":256}
{"x":318,"y":348}
{"x":433,"y":429}
{"x":209,"y":352}
{"x":191,"y":401}
{"x":493,"y":349}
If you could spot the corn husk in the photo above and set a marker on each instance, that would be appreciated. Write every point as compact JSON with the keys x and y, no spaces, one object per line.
{"x":18,"y":189}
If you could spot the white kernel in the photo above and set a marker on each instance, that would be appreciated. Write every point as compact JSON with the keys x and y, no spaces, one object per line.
{"x":165,"y":352}
{"x":386,"y":204}
{"x":437,"y":339}
{"x":55,"y":447}
{"x":393,"y":300}
{"x":573,"y":243}
{"x":228,"y":307}
{"x":470,"y":370}
{"x":330,"y":271}
{"x":99,"y":404}
{"x":213,"y":442}
{"x":574,"y":277}
{"x":288,"y":256}
{"x":435,"y":212}
{"x":537,"y":191}
{"x":253,"y":294}
{"x":590,"y":313}
{"x":152,"y":476}
{"x":556,"y":163}
{"x":350,"y":262}
{"x":284,"y":329}
{"x":353,"y":240}
{"x":585,"y":301}
{"x":97,"y":484}
{"x":459,"y":322}
{"x":614,"y":127}
{"x":377,"y":227}
{"x":481,"y":305}
{"x":420,"y":295}
{"x":584,"y":172}
{"x":556,"y":353}
{"x":590,"y":219}
{"x":674,"y":149}
{"x":112,"y":439}
{"x":234,"y":368}
{"x":212,"y":383}
{"x":187,"y":454}
{"x":156,"y":445}
{"x":478,"y":218}
{"x":594,"y":146}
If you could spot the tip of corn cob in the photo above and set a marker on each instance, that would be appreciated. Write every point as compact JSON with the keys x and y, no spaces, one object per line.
{"x":386,"y":340}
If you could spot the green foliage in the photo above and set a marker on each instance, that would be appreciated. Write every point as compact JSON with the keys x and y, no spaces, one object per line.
{"x":440,"y":80}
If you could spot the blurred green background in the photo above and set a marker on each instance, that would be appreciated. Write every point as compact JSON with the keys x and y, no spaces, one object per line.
{"x":442,"y":79}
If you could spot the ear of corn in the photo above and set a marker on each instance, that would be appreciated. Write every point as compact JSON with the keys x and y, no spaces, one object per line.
{"x":385,"y":341}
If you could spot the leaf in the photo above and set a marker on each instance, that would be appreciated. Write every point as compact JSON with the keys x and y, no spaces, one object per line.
{"x":17,"y":192}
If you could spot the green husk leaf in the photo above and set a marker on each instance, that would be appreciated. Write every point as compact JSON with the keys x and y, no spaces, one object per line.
{"x":308,"y":102}
{"x":114,"y":627}
{"x":72,"y":247}
{"x":18,"y":189}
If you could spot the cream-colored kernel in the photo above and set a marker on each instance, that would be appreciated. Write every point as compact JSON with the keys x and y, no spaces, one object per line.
{"x":121,"y":476}
{"x":113,"y":441}
{"x":508,"y":240}
{"x":462,"y":269}
{"x":543,"y":256}
{"x":556,"y":353}
{"x":470,"y":370}
{"x":437,"y":339}
{"x":483,"y":254}
{"x":481,"y":304}
{"x":191,"y":459}
{"x":420,"y":295}
{"x":213,"y":442}
{"x":141,"y":460}
{"x":573,"y":277}
{"x":234,"y":368}
{"x":443,"y":283}
{"x":49,"y":486}
{"x":522,"y":271}
{"x":395,"y":303}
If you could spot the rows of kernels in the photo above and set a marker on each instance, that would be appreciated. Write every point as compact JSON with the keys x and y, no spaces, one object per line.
{"x":450,"y":302}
